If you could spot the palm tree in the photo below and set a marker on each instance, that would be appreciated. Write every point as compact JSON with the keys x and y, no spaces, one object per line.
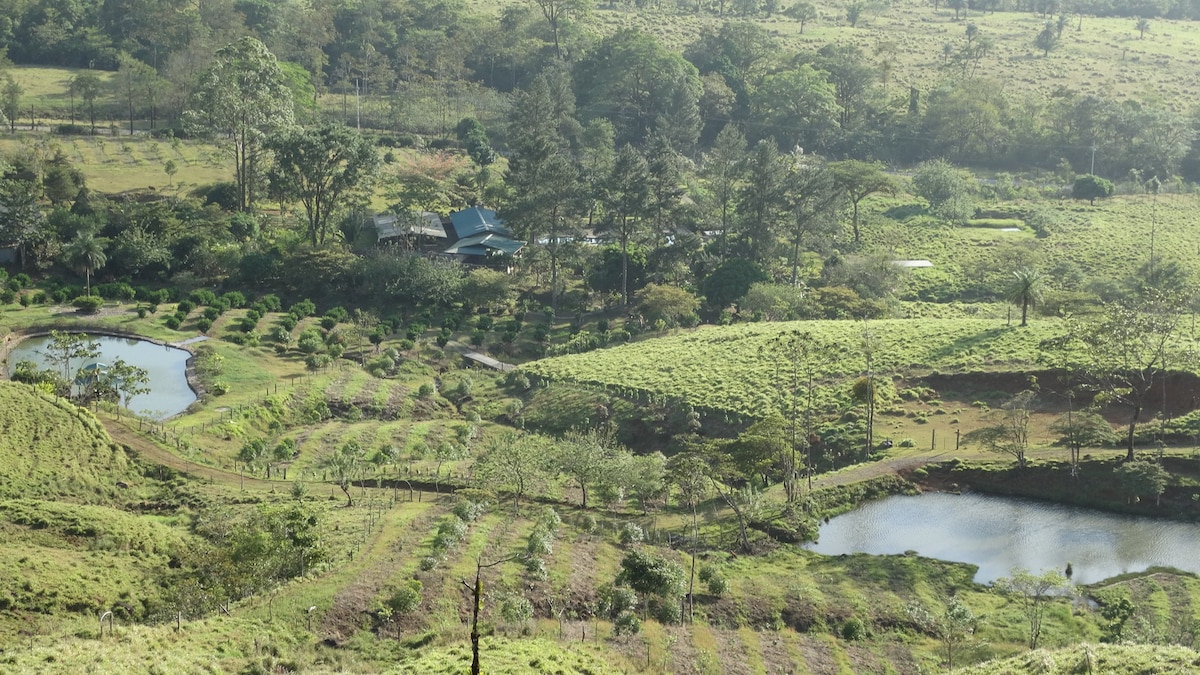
{"x":1025,"y":289}
{"x":1143,"y":25}
{"x":85,"y":254}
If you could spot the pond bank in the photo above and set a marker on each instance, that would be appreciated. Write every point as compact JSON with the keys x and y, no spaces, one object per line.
{"x":1096,"y":487}
{"x":13,"y":339}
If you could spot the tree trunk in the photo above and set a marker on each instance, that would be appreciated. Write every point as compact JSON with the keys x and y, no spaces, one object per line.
{"x":477,"y":601}
{"x":1137,"y":413}
{"x":1024,"y":310}
{"x":624,"y":271}
{"x":854,"y":222}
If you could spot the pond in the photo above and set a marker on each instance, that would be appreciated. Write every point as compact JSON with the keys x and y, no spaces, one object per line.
{"x":1000,"y":533}
{"x":166,"y":367}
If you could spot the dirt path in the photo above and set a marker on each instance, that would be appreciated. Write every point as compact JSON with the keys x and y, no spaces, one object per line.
{"x":156,"y":454}
{"x":861,"y":472}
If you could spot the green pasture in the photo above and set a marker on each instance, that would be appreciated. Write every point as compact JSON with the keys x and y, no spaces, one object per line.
{"x":731,"y":368}
{"x":1104,"y":244}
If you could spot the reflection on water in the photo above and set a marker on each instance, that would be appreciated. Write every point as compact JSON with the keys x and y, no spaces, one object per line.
{"x":165,"y":366}
{"x":999,"y":533}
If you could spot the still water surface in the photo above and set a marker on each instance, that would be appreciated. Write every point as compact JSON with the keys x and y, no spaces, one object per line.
{"x":165,"y":366}
{"x":999,"y":533}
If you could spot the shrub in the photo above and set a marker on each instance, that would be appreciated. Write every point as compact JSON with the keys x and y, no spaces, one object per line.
{"x":536,"y":568}
{"x":469,"y":510}
{"x":202,"y":297}
{"x":203,"y":325}
{"x":287,"y":322}
{"x":218,"y":388}
{"x":310,"y":341}
{"x":429,"y":563}
{"x":632,"y":533}
{"x":328,"y":322}
{"x":7,"y":296}
{"x":121,"y":291}
{"x":405,"y":345}
{"x":516,"y":609}
{"x":85,"y":304}
{"x":141,"y":312}
{"x":302,"y":309}
{"x":234,"y":299}
{"x":451,"y":531}
{"x":627,"y":623}
{"x":406,"y":598}
{"x":541,"y":542}
{"x":425,"y":390}
{"x":212,"y":313}
{"x":185,"y":306}
{"x":247,"y":324}
{"x":669,"y":611}
{"x":338,"y":313}
{"x":854,"y":629}
{"x":271,"y":302}
{"x":318,"y":361}
{"x":717,"y":585}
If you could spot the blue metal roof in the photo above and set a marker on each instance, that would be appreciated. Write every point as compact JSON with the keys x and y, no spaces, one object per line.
{"x":477,"y":220}
{"x":482,"y":244}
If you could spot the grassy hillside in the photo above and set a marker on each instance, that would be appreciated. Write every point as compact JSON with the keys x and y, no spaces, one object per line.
{"x":52,"y":449}
{"x":731,"y":368}
{"x":1101,"y":55}
{"x":1105,"y":244}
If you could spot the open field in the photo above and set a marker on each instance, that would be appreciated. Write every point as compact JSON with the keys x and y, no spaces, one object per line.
{"x":1099,"y":56}
{"x":117,"y":164}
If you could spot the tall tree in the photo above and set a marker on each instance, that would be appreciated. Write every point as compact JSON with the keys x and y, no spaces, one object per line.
{"x":688,"y":473}
{"x":589,"y":458}
{"x":628,"y":202}
{"x":87,"y":86}
{"x":665,"y":182}
{"x":723,"y":168}
{"x":242,"y":97}
{"x":1047,"y":38}
{"x":762,"y":199}
{"x":1025,"y":289}
{"x":322,"y":168}
{"x":542,"y":178}
{"x":1032,"y":593}
{"x":515,"y":463}
{"x":85,"y":253}
{"x":344,"y":466}
{"x":126,"y":381}
{"x":795,"y":106}
{"x":558,"y":12}
{"x":797,"y":355}
{"x":636,"y":82}
{"x":1008,"y":432}
{"x":858,"y":180}
{"x":65,"y":348}
{"x":130,"y":84}
{"x":811,"y":200}
{"x":1127,"y":352}
{"x":11,"y":101}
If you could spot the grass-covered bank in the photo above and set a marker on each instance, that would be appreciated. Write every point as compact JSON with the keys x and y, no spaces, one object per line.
{"x":1098,"y":485}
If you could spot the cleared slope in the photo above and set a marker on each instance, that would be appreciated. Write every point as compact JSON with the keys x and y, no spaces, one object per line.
{"x":732,"y":368}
